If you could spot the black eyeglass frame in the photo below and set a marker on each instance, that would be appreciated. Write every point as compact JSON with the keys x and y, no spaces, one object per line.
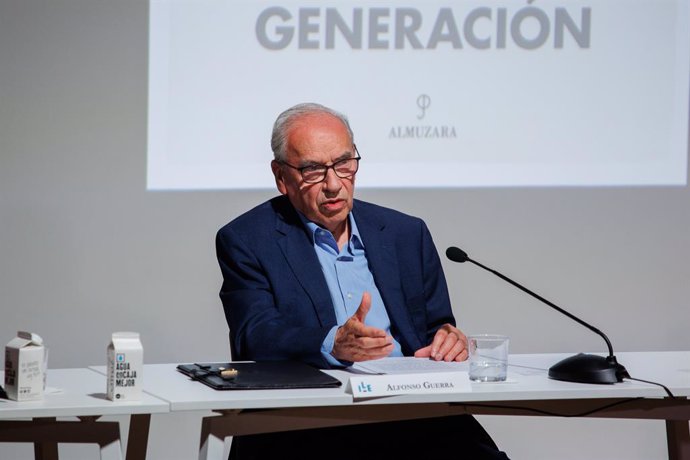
{"x":326,"y":168}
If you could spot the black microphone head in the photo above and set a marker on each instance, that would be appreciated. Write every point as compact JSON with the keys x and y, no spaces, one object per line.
{"x":456,"y":254}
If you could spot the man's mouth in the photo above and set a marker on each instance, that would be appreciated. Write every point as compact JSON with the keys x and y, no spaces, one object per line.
{"x":332,"y":205}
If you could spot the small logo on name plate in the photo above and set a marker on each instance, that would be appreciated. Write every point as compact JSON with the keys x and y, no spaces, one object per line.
{"x":364,"y":387}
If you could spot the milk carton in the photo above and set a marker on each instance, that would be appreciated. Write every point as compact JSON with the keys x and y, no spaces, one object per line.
{"x":125,"y":366}
{"x":25,"y":367}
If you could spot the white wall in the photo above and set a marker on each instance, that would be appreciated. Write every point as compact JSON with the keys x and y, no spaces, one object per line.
{"x":85,"y":250}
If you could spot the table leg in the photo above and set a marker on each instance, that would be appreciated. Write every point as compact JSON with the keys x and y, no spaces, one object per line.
{"x":211,"y":445}
{"x":45,"y":449}
{"x":46,"y":432}
{"x":678,"y":439}
{"x":138,"y":438}
{"x":111,"y":450}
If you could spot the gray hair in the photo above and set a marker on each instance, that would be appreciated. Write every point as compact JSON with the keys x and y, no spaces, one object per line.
{"x":286,"y":120}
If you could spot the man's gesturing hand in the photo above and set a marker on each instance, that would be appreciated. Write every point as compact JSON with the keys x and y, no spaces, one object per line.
{"x":354,"y":341}
{"x":449,"y":344}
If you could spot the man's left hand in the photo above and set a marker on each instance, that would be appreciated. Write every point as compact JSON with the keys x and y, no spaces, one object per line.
{"x":449,"y":344}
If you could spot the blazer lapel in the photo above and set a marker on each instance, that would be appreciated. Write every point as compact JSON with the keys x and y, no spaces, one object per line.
{"x":383,"y":262}
{"x":299,"y":253}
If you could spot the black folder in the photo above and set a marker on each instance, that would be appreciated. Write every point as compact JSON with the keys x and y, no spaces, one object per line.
{"x":263,"y":375}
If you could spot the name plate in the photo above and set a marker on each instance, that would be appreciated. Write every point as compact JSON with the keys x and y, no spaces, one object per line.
{"x":367,"y":386}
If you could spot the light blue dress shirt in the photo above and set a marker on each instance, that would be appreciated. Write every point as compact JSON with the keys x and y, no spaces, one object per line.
{"x":348,"y":277}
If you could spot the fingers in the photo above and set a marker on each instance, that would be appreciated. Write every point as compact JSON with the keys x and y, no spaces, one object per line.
{"x":457,"y":352}
{"x":462,"y":356}
{"x":450,"y":347}
{"x":364,"y":307}
{"x":449,"y":344}
{"x":349,"y":346}
{"x":357,"y":354}
{"x":355,"y":341}
{"x":423,"y":352}
{"x":358,"y":329}
{"x":437,"y":343}
{"x":368,"y":331}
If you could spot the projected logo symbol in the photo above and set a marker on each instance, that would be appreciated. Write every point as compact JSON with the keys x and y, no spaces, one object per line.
{"x":423,"y":102}
{"x":422,"y":129}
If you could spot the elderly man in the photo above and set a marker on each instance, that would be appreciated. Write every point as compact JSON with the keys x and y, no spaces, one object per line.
{"x":317,"y":276}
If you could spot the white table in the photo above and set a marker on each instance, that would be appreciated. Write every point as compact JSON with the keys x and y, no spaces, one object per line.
{"x":182,"y":393}
{"x":532,"y":393}
{"x":81,"y":395}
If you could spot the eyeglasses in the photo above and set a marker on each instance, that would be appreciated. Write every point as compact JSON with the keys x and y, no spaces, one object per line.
{"x":313,"y":174}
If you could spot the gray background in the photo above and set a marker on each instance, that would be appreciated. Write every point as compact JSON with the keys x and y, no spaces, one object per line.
{"x":85,"y":250}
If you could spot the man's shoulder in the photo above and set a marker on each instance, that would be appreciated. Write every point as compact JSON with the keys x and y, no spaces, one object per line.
{"x":382,"y":214}
{"x":261,"y":218}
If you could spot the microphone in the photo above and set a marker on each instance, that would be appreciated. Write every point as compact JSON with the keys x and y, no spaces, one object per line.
{"x":582,"y":368}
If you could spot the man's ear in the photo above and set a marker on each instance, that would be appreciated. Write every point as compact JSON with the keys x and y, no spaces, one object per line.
{"x":278,"y":176}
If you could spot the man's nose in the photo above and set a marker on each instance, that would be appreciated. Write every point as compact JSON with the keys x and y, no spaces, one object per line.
{"x":332,"y":182}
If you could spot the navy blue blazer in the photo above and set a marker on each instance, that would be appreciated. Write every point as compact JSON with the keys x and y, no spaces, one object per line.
{"x":275,"y":296}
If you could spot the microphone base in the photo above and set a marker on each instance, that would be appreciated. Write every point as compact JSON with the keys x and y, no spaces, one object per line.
{"x":584,"y":368}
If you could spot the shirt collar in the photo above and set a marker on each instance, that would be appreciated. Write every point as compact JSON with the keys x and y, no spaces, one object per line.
{"x":354,"y":241}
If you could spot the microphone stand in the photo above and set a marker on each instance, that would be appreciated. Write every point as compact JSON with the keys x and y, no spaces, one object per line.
{"x":582,"y":368}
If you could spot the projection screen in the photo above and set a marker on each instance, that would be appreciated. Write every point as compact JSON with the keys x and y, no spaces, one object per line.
{"x":439,"y":94}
